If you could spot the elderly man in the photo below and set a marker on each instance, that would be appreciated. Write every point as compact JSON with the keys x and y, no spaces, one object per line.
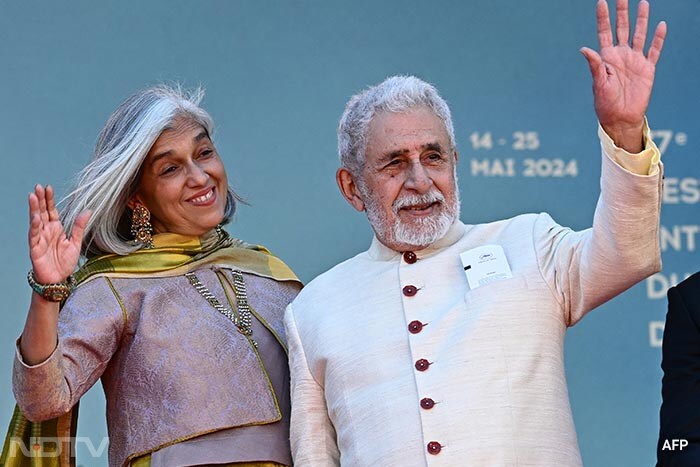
{"x":443,"y":343}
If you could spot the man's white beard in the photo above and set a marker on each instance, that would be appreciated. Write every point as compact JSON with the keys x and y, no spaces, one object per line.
{"x":420,"y":233}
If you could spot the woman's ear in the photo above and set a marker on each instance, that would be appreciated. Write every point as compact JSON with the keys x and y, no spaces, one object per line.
{"x":133,"y":201}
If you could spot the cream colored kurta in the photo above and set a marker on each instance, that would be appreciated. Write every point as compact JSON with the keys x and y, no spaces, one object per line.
{"x":496,"y":362}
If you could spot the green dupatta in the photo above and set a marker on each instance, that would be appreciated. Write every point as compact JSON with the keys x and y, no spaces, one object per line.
{"x":51,"y":443}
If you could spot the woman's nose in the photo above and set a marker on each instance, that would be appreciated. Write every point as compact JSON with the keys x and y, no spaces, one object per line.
{"x":196,"y":175}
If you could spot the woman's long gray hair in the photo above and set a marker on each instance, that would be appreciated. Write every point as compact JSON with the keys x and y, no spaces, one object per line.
{"x":107,"y":183}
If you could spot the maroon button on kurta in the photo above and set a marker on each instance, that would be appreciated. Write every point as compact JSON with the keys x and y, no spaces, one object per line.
{"x":434,"y":448}
{"x":410,"y":257}
{"x":427,"y":403}
{"x":422,"y":364}
{"x":414,"y":327}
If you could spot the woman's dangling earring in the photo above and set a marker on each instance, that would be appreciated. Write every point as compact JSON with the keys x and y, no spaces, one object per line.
{"x":141,"y":227}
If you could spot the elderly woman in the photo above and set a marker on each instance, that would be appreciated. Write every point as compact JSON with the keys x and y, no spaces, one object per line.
{"x":182,"y":323}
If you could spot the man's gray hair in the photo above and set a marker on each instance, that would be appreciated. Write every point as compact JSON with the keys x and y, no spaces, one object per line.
{"x":395,"y":94}
{"x":107,"y":183}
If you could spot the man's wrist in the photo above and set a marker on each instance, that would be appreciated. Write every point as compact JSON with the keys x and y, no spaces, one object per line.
{"x":627,"y":137}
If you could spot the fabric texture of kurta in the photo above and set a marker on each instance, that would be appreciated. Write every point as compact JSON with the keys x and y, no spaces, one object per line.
{"x":172,"y":367}
{"x":484,"y":375}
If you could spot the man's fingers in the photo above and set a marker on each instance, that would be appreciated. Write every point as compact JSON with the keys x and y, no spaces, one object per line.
{"x":657,"y":43}
{"x":640,"y":29}
{"x":622,"y":22}
{"x":595,"y":63}
{"x":604,"y":29}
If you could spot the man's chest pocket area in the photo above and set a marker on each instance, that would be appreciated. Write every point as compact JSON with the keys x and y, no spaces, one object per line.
{"x":514,"y":289}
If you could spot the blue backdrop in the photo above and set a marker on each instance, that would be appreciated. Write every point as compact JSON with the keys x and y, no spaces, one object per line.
{"x":278,"y":75}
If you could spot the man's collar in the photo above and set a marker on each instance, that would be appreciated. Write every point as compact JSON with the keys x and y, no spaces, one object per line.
{"x":380,"y":252}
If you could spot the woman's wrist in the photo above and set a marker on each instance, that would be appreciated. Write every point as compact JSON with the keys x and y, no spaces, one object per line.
{"x":54,"y":292}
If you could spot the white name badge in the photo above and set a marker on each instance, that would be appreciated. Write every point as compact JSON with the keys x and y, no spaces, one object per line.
{"x":485,"y":264}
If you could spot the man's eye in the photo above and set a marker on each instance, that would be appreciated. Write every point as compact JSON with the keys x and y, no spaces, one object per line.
{"x":206,"y":153}
{"x":168,"y":170}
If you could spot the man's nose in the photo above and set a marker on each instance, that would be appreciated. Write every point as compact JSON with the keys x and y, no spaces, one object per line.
{"x":418,"y":179}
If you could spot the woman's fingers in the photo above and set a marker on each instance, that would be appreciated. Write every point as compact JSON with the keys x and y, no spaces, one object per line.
{"x":52,"y":253}
{"x":35,"y":223}
{"x":76,"y":235}
{"x":34,"y":230}
{"x":41,"y":196}
{"x":51,"y":204}
{"x":33,"y":205}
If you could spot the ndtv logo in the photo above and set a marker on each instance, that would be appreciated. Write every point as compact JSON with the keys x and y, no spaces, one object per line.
{"x":46,"y":446}
{"x":673,"y":444}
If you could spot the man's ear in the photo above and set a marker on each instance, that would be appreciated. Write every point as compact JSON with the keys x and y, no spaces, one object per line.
{"x":348,"y":188}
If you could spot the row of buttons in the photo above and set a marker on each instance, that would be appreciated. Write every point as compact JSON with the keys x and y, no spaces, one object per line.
{"x":414,"y":327}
